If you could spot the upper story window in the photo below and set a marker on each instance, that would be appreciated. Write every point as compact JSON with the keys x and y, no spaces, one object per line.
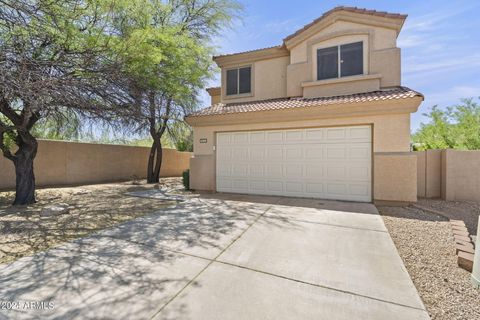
{"x":239,"y":81}
{"x":340,"y":61}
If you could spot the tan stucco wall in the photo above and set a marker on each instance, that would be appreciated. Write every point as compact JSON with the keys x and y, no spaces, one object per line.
{"x":268,"y":80}
{"x":215,"y":95}
{"x":461,"y":175}
{"x":70,"y":163}
{"x":202,"y":168}
{"x":381,"y":56}
{"x":429,"y":173}
{"x":448,"y":174}
{"x":333,"y":88}
{"x":215,"y":99}
{"x":395,"y":177}
{"x":384,"y":38}
{"x":284,"y":76}
{"x":421,"y":173}
{"x":433,"y":174}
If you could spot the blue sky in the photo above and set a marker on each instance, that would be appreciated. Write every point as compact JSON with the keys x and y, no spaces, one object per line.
{"x":440,"y":41}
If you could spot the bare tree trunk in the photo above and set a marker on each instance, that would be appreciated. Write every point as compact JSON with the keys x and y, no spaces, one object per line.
{"x":156,"y":151}
{"x":24,"y":174}
{"x":155,"y":161}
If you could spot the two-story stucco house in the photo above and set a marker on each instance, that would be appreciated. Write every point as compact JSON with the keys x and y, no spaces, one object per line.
{"x":323,"y":115}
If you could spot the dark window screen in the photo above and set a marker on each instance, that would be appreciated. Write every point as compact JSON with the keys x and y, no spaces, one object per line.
{"x":232,"y":81}
{"x":245,"y":80}
{"x":327,"y":63}
{"x":351,"y":58}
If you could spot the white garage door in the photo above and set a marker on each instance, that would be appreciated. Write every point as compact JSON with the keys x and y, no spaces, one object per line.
{"x":327,"y":163}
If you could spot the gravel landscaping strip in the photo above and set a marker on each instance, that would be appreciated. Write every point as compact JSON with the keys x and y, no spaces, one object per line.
{"x":64,"y":214}
{"x":426,"y":244}
{"x":468,"y":211}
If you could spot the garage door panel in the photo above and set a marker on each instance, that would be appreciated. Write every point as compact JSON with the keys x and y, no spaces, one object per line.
{"x":241,"y":137}
{"x":257,"y":153}
{"x":314,"y":188}
{"x":239,"y":170}
{"x":293,"y":153}
{"x":314,"y":170}
{"x":274,"y":153}
{"x":336,"y":134}
{"x":257,"y":185}
{"x":329,"y":163}
{"x":335,"y":152}
{"x":294,"y":187}
{"x":336,"y":172}
{"x":360,"y":151}
{"x":274,"y":186}
{"x":359,"y":174}
{"x":359,"y":189}
{"x":294,"y":136}
{"x":241,"y":185}
{"x":315,"y":135}
{"x":274,"y":170}
{"x":224,"y":170}
{"x":313,"y":152}
{"x":225,"y":154}
{"x":275,"y":136}
{"x":360,"y":133}
{"x":337,"y":188}
{"x":257,"y":137}
{"x":294,"y":171}
{"x":257,"y":170}
{"x":223,"y":139}
{"x":240,"y":154}
{"x":224,"y":184}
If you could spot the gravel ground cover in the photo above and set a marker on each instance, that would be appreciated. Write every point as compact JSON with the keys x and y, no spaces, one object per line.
{"x":24,"y":231}
{"x":467,"y":211}
{"x":427,"y":248}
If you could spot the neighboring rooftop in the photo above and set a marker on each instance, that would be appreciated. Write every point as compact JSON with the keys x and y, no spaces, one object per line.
{"x":299,"y":102}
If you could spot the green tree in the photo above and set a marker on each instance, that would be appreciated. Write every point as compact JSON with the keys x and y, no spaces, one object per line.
{"x":53,"y":57}
{"x":168,"y":64}
{"x":457,"y":127}
{"x":63,"y":125}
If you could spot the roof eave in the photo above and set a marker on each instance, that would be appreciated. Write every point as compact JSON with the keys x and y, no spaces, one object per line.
{"x":251,"y":56}
{"x":396,"y":106}
{"x":334,"y":15}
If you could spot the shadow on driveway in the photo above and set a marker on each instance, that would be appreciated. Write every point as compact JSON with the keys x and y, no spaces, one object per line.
{"x":129,"y":271}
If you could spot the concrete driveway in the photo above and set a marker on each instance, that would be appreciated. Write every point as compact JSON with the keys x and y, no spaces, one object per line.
{"x":222,"y":257}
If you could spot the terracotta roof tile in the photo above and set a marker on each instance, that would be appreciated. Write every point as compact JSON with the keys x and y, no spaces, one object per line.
{"x":248,"y":51}
{"x":349,"y":9}
{"x":299,"y":102}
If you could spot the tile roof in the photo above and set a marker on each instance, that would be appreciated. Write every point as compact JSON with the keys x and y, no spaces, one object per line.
{"x":349,"y":9}
{"x":339,"y":8}
{"x":299,"y":102}
{"x":248,"y":51}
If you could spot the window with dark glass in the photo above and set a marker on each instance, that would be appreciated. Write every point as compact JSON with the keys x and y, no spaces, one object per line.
{"x":340,"y":61}
{"x":244,"y":80}
{"x":232,"y":85}
{"x":351,"y":59}
{"x":327,"y":63}
{"x":239,"y":81}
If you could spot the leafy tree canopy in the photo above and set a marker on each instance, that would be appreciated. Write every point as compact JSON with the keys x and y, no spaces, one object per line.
{"x":457,"y":127}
